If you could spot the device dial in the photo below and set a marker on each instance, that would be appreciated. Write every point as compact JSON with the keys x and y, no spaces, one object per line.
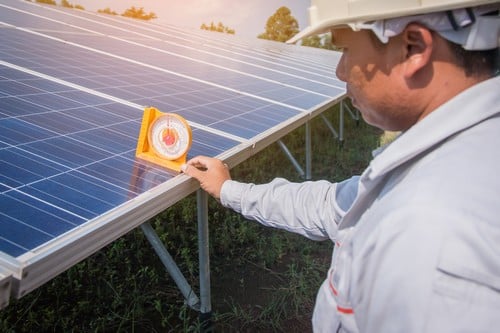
{"x":170,"y":136}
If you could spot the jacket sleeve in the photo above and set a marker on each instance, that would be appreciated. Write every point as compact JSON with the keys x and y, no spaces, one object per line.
{"x":312,"y":209}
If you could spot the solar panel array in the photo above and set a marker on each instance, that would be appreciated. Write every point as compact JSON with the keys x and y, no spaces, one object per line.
{"x":73,"y":86}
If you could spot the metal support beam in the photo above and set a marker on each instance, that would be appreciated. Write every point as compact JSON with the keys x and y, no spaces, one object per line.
{"x":292,"y":159}
{"x":308,"y":151}
{"x":204,"y":262}
{"x":330,"y":126}
{"x":354,"y":114}
{"x":341,"y":123}
{"x":189,"y":295}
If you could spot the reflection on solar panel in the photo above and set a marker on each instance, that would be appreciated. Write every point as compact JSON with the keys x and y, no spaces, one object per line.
{"x":73,"y":86}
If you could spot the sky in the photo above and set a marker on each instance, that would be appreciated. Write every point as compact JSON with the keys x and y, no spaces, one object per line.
{"x":248,"y":18}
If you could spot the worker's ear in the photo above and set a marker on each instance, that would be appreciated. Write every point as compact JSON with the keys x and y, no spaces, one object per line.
{"x":418,"y":43}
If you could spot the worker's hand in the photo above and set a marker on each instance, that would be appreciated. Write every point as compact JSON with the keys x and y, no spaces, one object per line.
{"x":210,"y":172}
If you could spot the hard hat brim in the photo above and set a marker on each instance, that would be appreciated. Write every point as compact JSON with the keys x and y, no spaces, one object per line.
{"x":321,"y":28}
{"x":326,"y":25}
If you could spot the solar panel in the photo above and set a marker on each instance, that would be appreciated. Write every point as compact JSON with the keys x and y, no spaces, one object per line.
{"x":73,"y":86}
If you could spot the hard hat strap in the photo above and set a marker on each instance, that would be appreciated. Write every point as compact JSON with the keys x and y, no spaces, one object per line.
{"x":456,"y":26}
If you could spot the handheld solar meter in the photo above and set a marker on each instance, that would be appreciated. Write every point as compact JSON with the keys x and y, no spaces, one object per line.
{"x":164,"y":139}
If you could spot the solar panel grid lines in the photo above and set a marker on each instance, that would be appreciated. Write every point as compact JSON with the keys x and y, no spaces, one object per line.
{"x":152,"y":28}
{"x":194,"y":48}
{"x":277,"y":94}
{"x":95,"y":234}
{"x":66,"y":152}
{"x":268,"y":49}
{"x":157,"y":68}
{"x":32,"y":160}
{"x":129,"y":21}
{"x":73,"y":86}
{"x":68,"y":84}
{"x":33,"y":167}
{"x":219,"y":85}
{"x":272,"y":68}
{"x":50,"y":209}
{"x":103,"y":117}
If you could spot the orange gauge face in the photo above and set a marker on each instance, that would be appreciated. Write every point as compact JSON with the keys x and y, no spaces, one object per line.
{"x":170,"y":136}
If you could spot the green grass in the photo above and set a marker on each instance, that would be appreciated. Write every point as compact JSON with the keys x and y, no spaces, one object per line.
{"x":263,"y":280}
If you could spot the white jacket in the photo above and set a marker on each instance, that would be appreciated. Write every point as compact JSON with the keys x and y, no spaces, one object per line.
{"x":417,"y":235}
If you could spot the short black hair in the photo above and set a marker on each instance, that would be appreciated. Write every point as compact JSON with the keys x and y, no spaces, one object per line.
{"x":485,"y":62}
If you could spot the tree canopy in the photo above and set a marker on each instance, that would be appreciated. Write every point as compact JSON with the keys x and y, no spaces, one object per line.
{"x":64,"y":3}
{"x":139,"y":13}
{"x":107,"y":10}
{"x":281,"y":26}
{"x":47,"y":2}
{"x":218,"y":28}
{"x":320,"y":41}
{"x":67,"y":4}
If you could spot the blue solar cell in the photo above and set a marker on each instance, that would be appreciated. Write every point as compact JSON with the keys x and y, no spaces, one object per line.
{"x":7,"y":73}
{"x":15,"y":107}
{"x":8,"y":247}
{"x":123,"y":93}
{"x":46,"y":85}
{"x":15,"y":131}
{"x":90,"y":194}
{"x":19,"y":168}
{"x":95,"y":115}
{"x":125,"y":173}
{"x":33,"y":216}
{"x":205,"y":143}
{"x":48,"y":100}
{"x":146,"y":176}
{"x":305,"y":101}
{"x":129,"y":128}
{"x":83,"y":97}
{"x":107,"y":140}
{"x":3,"y":188}
{"x":273,"y":114}
{"x":122,"y":110}
{"x":17,"y":88}
{"x":58,"y":122}
{"x":57,"y":200}
{"x":66,"y":151}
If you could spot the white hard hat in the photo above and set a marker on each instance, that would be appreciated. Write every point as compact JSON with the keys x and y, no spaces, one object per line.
{"x":369,"y":14}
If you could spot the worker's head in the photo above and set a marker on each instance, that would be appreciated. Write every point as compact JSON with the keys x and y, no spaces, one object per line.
{"x":403,"y":58}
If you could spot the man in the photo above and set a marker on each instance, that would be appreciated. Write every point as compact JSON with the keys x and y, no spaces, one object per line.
{"x":417,"y":235}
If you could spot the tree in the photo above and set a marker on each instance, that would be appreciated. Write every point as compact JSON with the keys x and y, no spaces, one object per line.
{"x":48,"y":2}
{"x":218,"y":28}
{"x":66,"y":3}
{"x":107,"y":10}
{"x":323,"y":41}
{"x":281,"y":26}
{"x":312,"y":41}
{"x":139,"y":13}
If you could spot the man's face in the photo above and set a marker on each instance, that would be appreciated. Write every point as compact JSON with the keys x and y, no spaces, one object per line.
{"x":373,"y":81}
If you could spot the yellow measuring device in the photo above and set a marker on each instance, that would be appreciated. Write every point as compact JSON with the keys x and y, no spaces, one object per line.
{"x":164,"y":139}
